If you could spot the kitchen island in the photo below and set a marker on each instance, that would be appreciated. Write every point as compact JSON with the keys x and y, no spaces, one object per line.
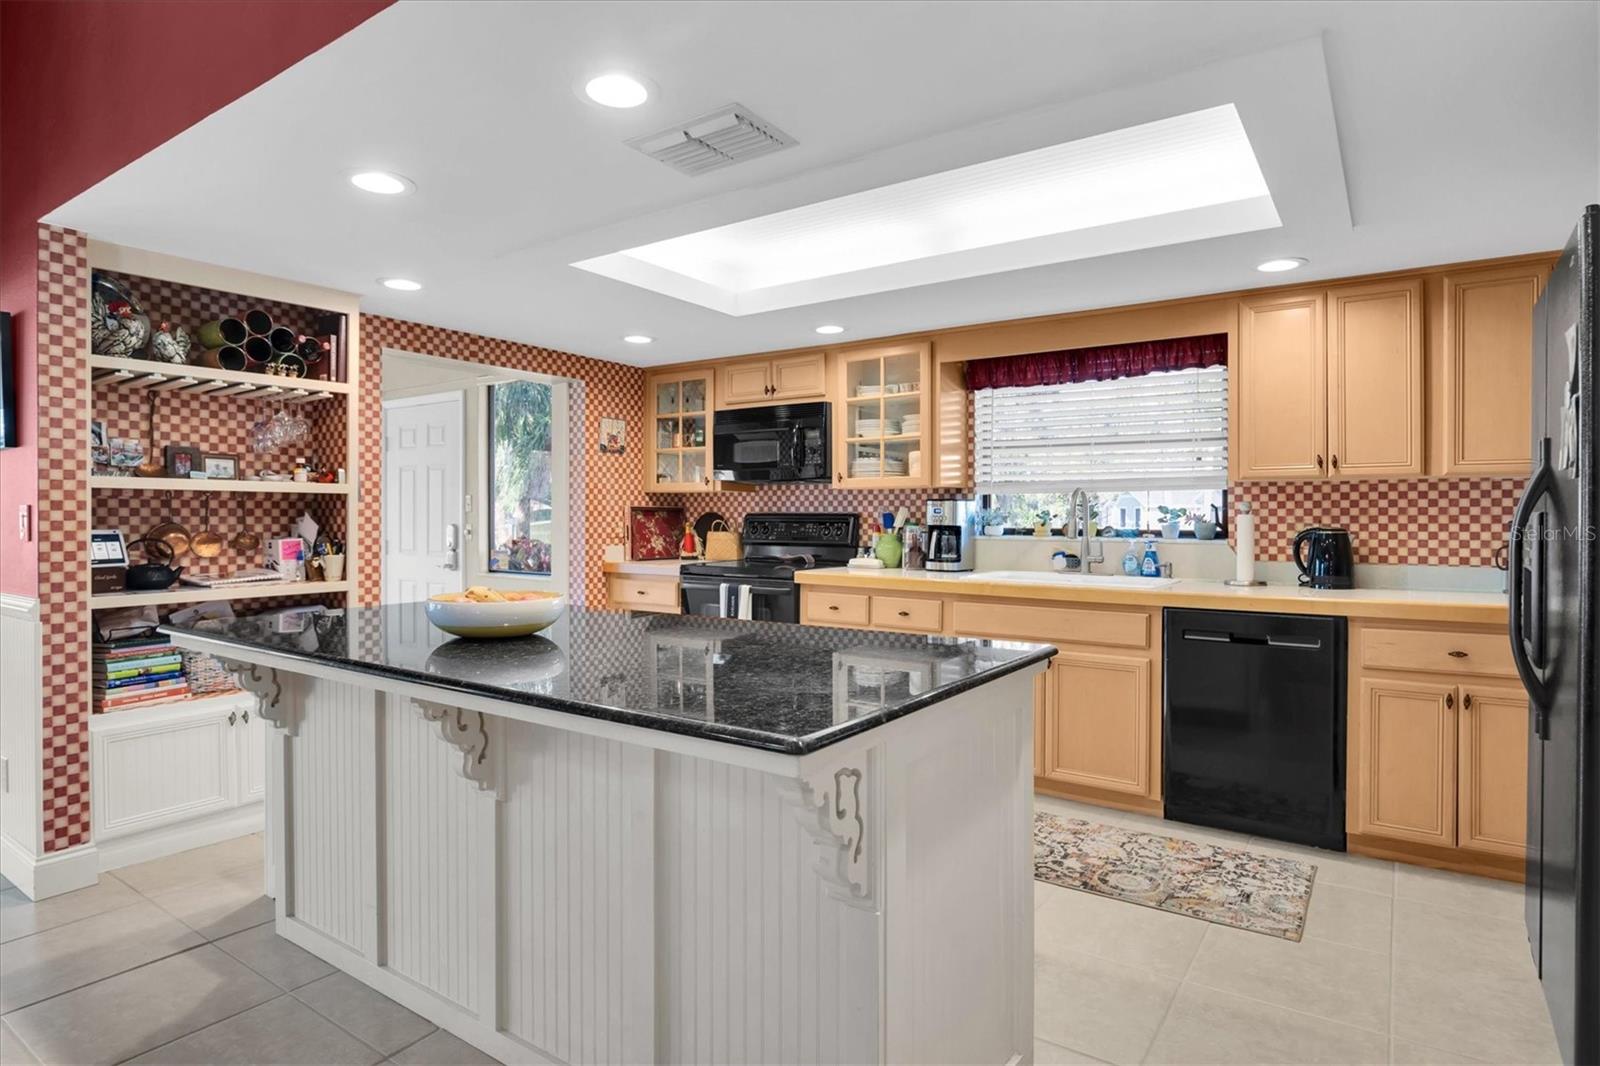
{"x":648,"y":838}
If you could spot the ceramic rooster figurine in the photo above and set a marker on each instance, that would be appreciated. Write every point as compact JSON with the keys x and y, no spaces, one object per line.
{"x":170,"y":344}
{"x":118,"y":326}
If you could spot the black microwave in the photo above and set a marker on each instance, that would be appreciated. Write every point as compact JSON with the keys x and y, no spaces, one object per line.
{"x":788,"y":442}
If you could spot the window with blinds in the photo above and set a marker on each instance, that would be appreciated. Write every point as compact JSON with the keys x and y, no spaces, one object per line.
{"x":1158,"y":431}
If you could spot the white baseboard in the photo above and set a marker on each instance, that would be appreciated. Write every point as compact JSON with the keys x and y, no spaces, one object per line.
{"x":51,"y":875}
{"x":171,"y":839}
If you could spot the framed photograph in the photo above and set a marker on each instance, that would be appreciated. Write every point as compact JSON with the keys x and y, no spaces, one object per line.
{"x":613,"y":432}
{"x":222,"y":465}
{"x":183,"y":461}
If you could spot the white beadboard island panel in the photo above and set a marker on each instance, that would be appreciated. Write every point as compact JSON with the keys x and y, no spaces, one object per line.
{"x":558,"y":890}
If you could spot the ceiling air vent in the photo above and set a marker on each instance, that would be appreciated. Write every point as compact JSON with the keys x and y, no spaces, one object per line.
{"x":726,"y":136}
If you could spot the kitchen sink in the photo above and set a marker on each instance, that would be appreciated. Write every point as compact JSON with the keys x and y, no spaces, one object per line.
{"x":1051,"y":577}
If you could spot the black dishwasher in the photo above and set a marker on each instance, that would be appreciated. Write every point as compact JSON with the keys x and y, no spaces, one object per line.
{"x":1255,"y":723}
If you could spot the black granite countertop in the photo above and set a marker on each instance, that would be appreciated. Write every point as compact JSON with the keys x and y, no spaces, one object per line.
{"x":769,"y":685}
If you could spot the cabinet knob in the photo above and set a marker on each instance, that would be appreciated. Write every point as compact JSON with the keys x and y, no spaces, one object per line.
{"x":638,"y":592}
{"x":233,"y":716}
{"x":833,"y":606}
{"x":1335,"y":461}
{"x":1466,"y":701}
{"x":1319,"y":461}
{"x":1457,"y":654}
{"x":244,"y":716}
{"x":1450,"y":700}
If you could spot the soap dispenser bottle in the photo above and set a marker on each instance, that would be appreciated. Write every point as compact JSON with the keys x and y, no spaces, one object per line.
{"x":1152,"y":562}
{"x":1130,"y":561}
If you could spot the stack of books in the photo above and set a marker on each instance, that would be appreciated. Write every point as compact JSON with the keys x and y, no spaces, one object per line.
{"x":137,"y":670}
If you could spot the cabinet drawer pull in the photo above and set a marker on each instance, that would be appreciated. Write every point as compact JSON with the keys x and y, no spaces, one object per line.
{"x":903,"y":614}
{"x":1466,"y":701}
{"x":1457,"y":654}
{"x":1335,"y":460}
{"x":639,"y":592}
{"x":1319,"y":461}
{"x":1450,"y":701}
{"x":833,"y":606}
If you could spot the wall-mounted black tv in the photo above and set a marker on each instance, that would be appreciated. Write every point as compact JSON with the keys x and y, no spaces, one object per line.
{"x":8,"y":385}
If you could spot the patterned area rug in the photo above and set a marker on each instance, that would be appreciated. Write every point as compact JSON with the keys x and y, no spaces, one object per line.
{"x":1229,"y":886}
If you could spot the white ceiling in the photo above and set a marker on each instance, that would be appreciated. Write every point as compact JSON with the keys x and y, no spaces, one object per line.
{"x":1390,"y":135}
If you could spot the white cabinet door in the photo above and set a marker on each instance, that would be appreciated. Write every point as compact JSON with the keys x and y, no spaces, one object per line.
{"x":163,"y":765}
{"x":252,"y":730}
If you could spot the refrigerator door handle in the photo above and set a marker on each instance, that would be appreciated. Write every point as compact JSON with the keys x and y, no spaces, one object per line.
{"x":1539,"y":486}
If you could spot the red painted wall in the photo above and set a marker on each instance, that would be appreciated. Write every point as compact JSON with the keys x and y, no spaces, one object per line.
{"x":87,"y":86}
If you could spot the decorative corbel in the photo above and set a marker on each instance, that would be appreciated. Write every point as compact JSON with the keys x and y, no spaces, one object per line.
{"x":474,"y":733}
{"x":830,"y":807}
{"x":268,"y":692}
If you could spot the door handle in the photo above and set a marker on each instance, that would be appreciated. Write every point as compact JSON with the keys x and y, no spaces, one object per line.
{"x":1538,"y":487}
{"x":452,"y":540}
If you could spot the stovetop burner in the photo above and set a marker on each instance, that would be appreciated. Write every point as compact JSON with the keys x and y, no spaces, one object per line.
{"x":777,"y":545}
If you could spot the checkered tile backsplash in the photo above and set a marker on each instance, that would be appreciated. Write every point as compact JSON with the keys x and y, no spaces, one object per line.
{"x":1442,"y":522}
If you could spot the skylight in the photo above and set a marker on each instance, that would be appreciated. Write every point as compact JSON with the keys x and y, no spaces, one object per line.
{"x":1185,"y":178}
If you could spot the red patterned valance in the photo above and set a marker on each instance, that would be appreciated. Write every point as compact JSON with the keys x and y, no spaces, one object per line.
{"x":1099,"y":364}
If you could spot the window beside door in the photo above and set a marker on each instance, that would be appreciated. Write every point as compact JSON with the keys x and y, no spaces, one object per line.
{"x":523,"y":478}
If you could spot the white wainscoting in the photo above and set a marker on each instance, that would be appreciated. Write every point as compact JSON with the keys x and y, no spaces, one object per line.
{"x":21,"y":718}
{"x":586,"y":899}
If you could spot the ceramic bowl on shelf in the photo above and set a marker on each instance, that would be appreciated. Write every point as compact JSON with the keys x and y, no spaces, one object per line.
{"x":483,"y":613}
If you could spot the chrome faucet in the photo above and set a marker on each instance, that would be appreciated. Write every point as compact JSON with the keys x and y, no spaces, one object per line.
{"x":1080,"y":502}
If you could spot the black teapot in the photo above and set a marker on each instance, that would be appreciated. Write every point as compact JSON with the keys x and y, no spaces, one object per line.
{"x":155,"y":574}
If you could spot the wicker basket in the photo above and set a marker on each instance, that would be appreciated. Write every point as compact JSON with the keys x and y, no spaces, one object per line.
{"x":722,"y":545}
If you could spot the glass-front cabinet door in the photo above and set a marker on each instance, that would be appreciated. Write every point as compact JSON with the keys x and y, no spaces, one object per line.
{"x":882,"y":420}
{"x":678,"y":432}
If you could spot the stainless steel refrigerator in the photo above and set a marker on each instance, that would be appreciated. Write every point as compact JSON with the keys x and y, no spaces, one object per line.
{"x":1554,"y":586}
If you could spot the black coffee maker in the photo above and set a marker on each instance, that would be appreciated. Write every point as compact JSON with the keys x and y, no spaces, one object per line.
{"x":1325,"y":558}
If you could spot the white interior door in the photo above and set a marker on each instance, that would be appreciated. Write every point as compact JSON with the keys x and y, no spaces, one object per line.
{"x":424,"y":449}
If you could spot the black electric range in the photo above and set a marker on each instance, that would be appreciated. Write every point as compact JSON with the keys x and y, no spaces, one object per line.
{"x":761,"y":584}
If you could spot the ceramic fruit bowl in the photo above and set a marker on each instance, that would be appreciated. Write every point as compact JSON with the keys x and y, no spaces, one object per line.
{"x":482,"y":612}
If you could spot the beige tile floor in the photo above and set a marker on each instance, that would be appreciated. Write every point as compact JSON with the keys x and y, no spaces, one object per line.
{"x":175,"y":961}
{"x":1397,"y":964}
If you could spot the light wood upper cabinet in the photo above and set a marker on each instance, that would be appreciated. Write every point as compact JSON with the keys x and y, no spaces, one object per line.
{"x":1406,"y":761}
{"x":767,"y":381}
{"x":883,"y":416}
{"x":744,"y":383}
{"x":1375,"y":375}
{"x":1282,"y":379}
{"x":1487,"y":370}
{"x":1494,"y":769}
{"x":1330,"y":383}
{"x":678,"y":432}
{"x":1097,"y":722}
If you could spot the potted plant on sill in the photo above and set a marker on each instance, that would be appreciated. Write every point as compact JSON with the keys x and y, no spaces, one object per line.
{"x":1041,"y":524}
{"x":992,"y":522}
{"x":1206,"y":528}
{"x":1171,"y":519}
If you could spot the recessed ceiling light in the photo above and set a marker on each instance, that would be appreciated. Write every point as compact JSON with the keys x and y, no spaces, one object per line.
{"x":400,"y":284}
{"x":616,"y":90}
{"x":830,"y":329}
{"x":1275,"y":266}
{"x":381,"y":182}
{"x":638,"y":338}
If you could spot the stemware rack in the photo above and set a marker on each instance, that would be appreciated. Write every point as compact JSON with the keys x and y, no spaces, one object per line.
{"x":149,"y":376}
